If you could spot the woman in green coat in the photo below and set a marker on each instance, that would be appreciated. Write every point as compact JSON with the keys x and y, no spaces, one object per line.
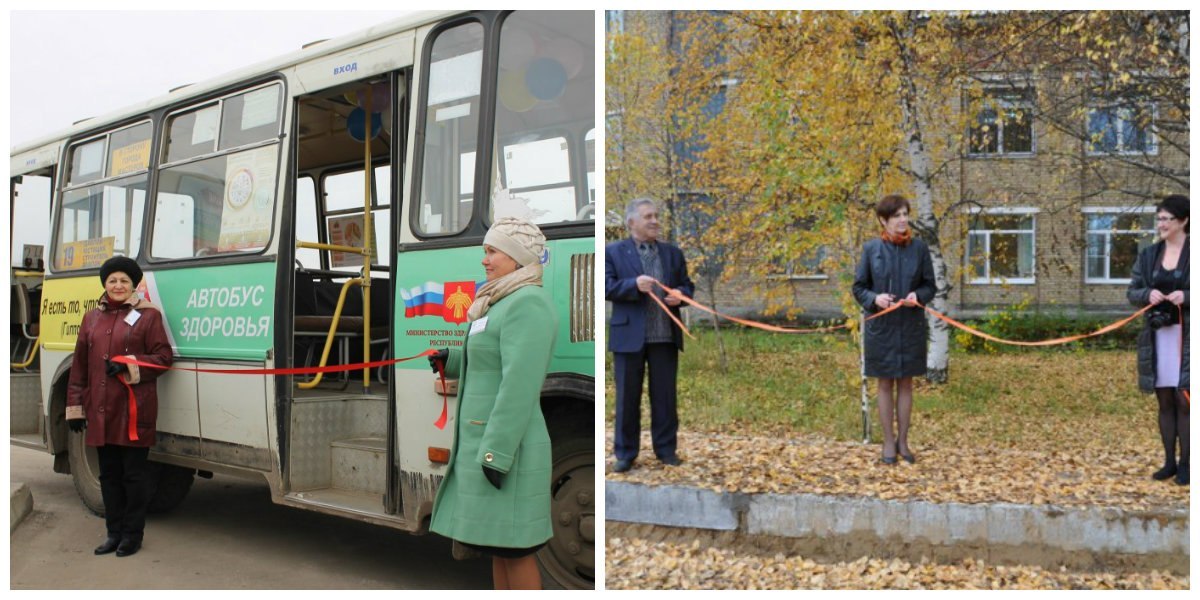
{"x":496,"y":494}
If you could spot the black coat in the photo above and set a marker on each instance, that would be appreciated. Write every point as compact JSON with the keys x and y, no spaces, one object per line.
{"x":1140,"y":284}
{"x":896,"y":343}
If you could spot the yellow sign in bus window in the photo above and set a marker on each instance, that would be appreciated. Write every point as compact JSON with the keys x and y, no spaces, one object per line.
{"x":131,"y":158}
{"x":85,"y":253}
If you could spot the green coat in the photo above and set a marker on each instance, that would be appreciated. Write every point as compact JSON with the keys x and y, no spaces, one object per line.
{"x":500,"y":423}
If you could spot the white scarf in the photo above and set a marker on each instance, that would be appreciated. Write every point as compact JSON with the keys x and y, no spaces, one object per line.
{"x":494,"y":290}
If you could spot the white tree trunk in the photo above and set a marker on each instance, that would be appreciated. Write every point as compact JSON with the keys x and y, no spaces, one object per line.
{"x":921,"y":165}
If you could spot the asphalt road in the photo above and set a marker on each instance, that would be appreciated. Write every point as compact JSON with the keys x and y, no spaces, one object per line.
{"x":227,"y":534}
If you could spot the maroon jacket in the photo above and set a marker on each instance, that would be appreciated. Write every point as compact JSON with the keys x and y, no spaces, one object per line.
{"x":103,"y":400}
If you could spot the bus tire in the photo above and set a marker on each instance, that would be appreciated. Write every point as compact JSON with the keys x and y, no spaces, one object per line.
{"x":568,"y":560}
{"x":171,"y":483}
{"x":85,"y":471}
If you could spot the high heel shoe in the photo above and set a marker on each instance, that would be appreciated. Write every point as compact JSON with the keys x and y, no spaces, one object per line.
{"x":908,"y":458}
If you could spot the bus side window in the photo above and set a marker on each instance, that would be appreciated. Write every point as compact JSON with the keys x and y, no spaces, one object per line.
{"x":451,"y":128}
{"x":306,"y":222}
{"x":543,"y":169}
{"x":30,"y":208}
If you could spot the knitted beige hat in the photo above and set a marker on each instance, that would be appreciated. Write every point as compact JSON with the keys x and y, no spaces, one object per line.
{"x":518,"y":238}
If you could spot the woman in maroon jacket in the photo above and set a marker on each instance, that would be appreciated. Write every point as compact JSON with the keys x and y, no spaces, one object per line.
{"x":116,"y":403}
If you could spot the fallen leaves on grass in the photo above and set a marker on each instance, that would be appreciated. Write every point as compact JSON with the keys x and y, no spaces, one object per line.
{"x":1118,"y":477}
{"x":634,"y":563}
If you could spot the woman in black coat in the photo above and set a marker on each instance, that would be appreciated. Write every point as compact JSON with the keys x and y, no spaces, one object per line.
{"x":896,"y":268}
{"x":1161,"y":277}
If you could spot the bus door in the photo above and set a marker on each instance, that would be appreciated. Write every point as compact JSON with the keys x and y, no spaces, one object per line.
{"x":29,"y":229}
{"x":346,"y":140}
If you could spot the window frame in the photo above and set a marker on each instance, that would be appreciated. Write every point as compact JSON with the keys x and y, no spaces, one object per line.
{"x":66,"y":186}
{"x":988,"y":279}
{"x":1087,"y":232}
{"x":1002,"y":98}
{"x":1122,"y":110}
{"x":194,"y":104}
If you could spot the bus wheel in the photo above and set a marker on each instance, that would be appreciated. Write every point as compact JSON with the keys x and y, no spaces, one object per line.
{"x":569,"y":559}
{"x":85,"y":471}
{"x":171,"y":483}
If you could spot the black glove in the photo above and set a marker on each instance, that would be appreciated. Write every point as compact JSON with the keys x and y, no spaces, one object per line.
{"x":439,"y":359}
{"x":112,"y":368}
{"x":77,"y":425}
{"x":494,"y":477}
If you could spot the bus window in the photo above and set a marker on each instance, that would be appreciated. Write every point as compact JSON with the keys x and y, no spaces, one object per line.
{"x":250,"y":117}
{"x":231,"y":202}
{"x":31,"y":209}
{"x":451,"y":129}
{"x":343,"y":209}
{"x":544,"y":89}
{"x":219,"y":204}
{"x":306,"y":222}
{"x":590,"y":148}
{"x":104,"y":199}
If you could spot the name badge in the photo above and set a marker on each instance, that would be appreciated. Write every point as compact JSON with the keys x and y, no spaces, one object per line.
{"x":132,"y":317}
{"x":478,"y":326}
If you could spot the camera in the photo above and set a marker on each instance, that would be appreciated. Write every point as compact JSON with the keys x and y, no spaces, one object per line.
{"x":1162,"y":316}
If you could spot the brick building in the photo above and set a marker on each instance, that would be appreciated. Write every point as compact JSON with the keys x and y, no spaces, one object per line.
{"x":1053,"y":198}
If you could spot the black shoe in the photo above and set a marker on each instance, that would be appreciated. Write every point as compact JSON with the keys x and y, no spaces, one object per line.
{"x":109,"y":545}
{"x":888,"y":460}
{"x":1183,"y":476}
{"x":671,"y":461}
{"x":128,"y":548}
{"x":622,"y":466}
{"x":908,"y":458}
{"x":1165,"y":473}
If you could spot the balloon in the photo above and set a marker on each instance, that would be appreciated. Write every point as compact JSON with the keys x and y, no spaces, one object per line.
{"x":569,"y":53}
{"x":546,"y":78}
{"x":356,"y":124}
{"x":513,"y":93}
{"x":516,"y":48}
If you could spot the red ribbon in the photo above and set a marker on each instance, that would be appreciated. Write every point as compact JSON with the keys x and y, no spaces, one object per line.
{"x":440,"y":423}
{"x":133,"y":436}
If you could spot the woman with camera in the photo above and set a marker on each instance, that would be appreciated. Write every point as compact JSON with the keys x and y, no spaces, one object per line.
{"x":1160,"y":278}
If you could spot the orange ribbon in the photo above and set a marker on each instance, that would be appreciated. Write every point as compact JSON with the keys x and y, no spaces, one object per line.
{"x":967,"y":328}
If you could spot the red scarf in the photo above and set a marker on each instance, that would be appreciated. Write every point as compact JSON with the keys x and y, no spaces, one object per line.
{"x":112,"y":304}
{"x":901,"y":240}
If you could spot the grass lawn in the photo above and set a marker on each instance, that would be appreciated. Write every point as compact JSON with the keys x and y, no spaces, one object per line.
{"x":1062,"y":399}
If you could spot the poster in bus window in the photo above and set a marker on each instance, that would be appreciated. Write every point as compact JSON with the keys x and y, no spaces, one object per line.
{"x":249,"y":198}
{"x":85,"y":253}
{"x":129,"y":159}
{"x":348,"y":231}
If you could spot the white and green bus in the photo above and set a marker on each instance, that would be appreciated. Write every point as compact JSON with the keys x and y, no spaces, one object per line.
{"x":324,"y":208}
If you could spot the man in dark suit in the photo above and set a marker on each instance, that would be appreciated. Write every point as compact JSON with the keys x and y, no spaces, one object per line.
{"x":641,"y":334}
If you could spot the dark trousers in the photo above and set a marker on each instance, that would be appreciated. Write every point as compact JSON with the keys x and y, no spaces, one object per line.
{"x":125,"y":487}
{"x":628,"y":371}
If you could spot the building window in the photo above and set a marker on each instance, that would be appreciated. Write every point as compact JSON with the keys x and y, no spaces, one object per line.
{"x":1004,"y":124}
{"x":809,"y":266}
{"x":1000,"y":246}
{"x":1122,"y":129}
{"x":1115,"y":236}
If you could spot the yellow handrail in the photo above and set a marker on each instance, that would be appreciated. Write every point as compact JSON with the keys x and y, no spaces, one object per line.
{"x":337,"y":315}
{"x":22,"y":273}
{"x":333,"y":247}
{"x":32,"y":354}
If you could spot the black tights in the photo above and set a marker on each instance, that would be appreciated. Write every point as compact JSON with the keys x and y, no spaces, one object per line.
{"x":1174,"y":422}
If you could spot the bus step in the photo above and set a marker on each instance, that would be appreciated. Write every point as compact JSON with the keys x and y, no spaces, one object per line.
{"x":359,"y":464}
